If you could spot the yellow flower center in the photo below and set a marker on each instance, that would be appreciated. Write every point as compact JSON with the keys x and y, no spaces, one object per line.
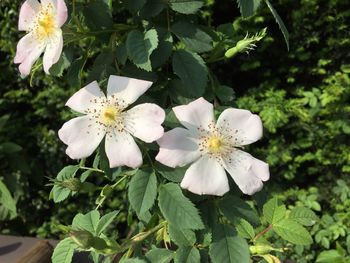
{"x":109,"y":115}
{"x":47,"y":25}
{"x":214,"y":144}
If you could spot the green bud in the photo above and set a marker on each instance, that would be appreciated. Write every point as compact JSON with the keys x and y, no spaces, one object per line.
{"x":260,"y":249}
{"x":72,"y":184}
{"x":82,"y":238}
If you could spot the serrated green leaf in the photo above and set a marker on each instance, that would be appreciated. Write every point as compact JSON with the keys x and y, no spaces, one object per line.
{"x":60,"y":193}
{"x":98,"y":16}
{"x":192,"y":71}
{"x":63,"y":63}
{"x":7,"y":201}
{"x":178,"y":209}
{"x":172,"y":174}
{"x":182,"y":237}
{"x":187,"y":255}
{"x":193,"y":37}
{"x":63,"y":252}
{"x":186,"y":6}
{"x":67,"y":172}
{"x":134,"y":5}
{"x":245,"y":229}
{"x":273,"y":211}
{"x":330,"y":256}
{"x":293,"y":232}
{"x":102,"y":67}
{"x":140,"y":46}
{"x":133,"y":260}
{"x":248,"y":7}
{"x":303,"y":215}
{"x":164,"y":49}
{"x":105,"y":221}
{"x":87,"y":221}
{"x":74,"y":72}
{"x":228,"y":247}
{"x":160,"y":255}
{"x":279,"y":22}
{"x":235,"y":208}
{"x":224,"y":93}
{"x":142,"y":191}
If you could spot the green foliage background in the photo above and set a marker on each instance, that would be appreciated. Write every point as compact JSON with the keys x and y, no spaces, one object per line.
{"x":302,"y":97}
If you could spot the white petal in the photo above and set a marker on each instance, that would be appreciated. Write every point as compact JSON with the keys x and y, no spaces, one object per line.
{"x":25,"y":46}
{"x":144,"y":121}
{"x":53,"y":51}
{"x":178,"y":147}
{"x":198,"y":113}
{"x":247,"y":171}
{"x":85,"y":98}
{"x":27,"y":15}
{"x":82,"y":137}
{"x":121,"y":149}
{"x":127,"y":89}
{"x":206,"y":176}
{"x":245,"y":127}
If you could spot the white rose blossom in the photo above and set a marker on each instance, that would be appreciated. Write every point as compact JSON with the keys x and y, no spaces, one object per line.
{"x":107,"y":117}
{"x":42,"y":22}
{"x":213,"y":148}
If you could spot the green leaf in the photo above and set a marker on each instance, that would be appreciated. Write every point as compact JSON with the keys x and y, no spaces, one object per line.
{"x":187,"y":255}
{"x":142,"y":191}
{"x":293,"y":232}
{"x":248,"y":7}
{"x":227,"y":246}
{"x":274,"y":212}
{"x":59,"y":193}
{"x":152,"y":8}
{"x":279,"y":22}
{"x":186,"y":6}
{"x":74,"y":72}
{"x":164,"y":49}
{"x":178,"y":209}
{"x":7,"y":201}
{"x":134,"y":5}
{"x":9,"y":147}
{"x":194,"y":38}
{"x":224,"y":93}
{"x":304,"y":216}
{"x":160,"y":255}
{"x":182,"y":237}
{"x":98,"y":16}
{"x":140,"y":46}
{"x":192,"y":71}
{"x":105,"y":221}
{"x":103,"y":66}
{"x":87,"y":221}
{"x":63,"y":63}
{"x":133,"y":260}
{"x":67,"y":172}
{"x":172,"y":174}
{"x":330,"y":256}
{"x":245,"y":229}
{"x":63,"y":252}
{"x":234,"y":208}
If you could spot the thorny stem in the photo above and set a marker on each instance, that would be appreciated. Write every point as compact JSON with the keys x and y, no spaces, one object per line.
{"x":262,"y":232}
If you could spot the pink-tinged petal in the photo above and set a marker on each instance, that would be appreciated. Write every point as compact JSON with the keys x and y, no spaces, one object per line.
{"x":62,"y":12}
{"x":81,"y":135}
{"x":247,"y":171}
{"x":206,"y":177}
{"x":198,"y":113}
{"x":28,"y":51}
{"x":177,"y":148}
{"x":27,"y":14}
{"x":86,"y":98}
{"x":127,"y":89}
{"x":144,"y":122}
{"x":53,"y":51}
{"x":121,"y":149}
{"x":244,"y":126}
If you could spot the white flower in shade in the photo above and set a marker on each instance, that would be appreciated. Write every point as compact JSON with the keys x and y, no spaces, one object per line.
{"x":213,"y":148}
{"x":106,"y":116}
{"x":42,"y":22}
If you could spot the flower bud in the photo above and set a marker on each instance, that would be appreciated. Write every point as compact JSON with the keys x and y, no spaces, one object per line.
{"x":82,"y":238}
{"x":260,"y":249}
{"x":72,"y":184}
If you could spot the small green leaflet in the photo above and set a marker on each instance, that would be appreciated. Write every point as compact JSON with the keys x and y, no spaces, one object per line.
{"x":330,"y":256}
{"x":293,"y":232}
{"x":142,"y":191}
{"x":87,"y":221}
{"x":182,"y":237}
{"x":248,"y":7}
{"x":63,"y":252}
{"x":186,"y":6}
{"x":178,"y":209}
{"x":245,"y":229}
{"x":160,"y":255}
{"x":7,"y":201}
{"x":140,"y":46}
{"x":105,"y":221}
{"x":187,"y":255}
{"x":274,"y":212}
{"x":303,"y":216}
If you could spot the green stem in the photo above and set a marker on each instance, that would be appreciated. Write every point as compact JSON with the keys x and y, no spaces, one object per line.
{"x":263,"y":232}
{"x":92,"y":169}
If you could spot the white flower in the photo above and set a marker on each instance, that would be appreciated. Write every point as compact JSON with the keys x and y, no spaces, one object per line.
{"x":213,"y":148}
{"x":42,"y":22}
{"x":106,"y":116}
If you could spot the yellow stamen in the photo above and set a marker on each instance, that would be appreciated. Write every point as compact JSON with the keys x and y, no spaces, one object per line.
{"x":109,"y":115}
{"x":214,"y":144}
